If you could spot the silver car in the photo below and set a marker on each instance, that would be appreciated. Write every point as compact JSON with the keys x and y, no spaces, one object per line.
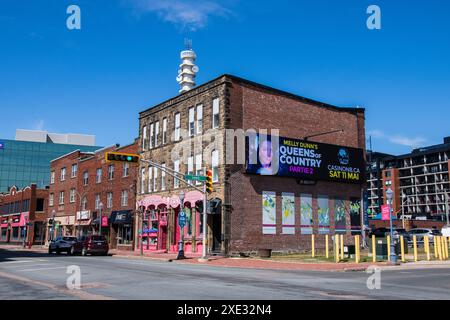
{"x":421,"y":233}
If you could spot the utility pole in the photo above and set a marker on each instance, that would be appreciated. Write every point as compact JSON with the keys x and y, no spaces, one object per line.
{"x":447,"y":207}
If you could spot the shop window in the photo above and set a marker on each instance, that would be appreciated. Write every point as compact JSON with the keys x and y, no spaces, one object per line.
{"x":3,"y":234}
{"x":306,"y":214}
{"x":269,"y":220}
{"x":15,"y":233}
{"x":188,"y":228}
{"x":125,"y":235}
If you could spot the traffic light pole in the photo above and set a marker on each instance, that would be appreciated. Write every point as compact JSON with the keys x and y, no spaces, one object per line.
{"x":205,"y":201}
{"x":180,"y":177}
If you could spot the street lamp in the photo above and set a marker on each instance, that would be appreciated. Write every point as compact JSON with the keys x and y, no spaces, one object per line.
{"x":390,"y":197}
{"x":180,"y":243}
{"x":100,"y":206}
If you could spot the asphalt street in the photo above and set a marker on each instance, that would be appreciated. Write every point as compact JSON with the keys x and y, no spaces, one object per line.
{"x":25,"y":275}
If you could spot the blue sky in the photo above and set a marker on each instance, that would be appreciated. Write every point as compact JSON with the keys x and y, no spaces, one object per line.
{"x":126,"y":56}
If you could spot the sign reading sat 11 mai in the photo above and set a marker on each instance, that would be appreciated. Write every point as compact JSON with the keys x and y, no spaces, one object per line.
{"x":279,"y":156}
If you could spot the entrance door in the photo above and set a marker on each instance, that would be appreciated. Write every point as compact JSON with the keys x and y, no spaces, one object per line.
{"x":163,"y":238}
{"x":217,"y":233}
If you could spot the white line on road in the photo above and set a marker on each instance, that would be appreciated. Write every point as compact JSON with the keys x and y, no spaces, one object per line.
{"x":42,"y":269}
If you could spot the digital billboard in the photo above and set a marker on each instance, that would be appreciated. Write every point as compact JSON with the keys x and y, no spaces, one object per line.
{"x":287,"y":157}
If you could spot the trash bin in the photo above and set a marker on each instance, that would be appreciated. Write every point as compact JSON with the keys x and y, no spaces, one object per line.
{"x":382,"y":248}
{"x":265,"y":253}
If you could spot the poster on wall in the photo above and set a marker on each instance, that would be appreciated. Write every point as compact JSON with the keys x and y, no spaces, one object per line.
{"x":340,"y":216}
{"x":355,"y":215}
{"x":280,"y":156}
{"x":288,"y":213}
{"x":269,"y":208}
{"x":323,"y":213}
{"x":306,"y":214}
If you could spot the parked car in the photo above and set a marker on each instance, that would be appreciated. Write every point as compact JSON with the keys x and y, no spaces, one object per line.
{"x":445,"y":231}
{"x":61,"y":244}
{"x":421,"y":233}
{"x":384,"y":232}
{"x":91,"y":244}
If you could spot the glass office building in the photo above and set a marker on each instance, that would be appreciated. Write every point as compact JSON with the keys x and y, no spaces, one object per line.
{"x":23,"y":163}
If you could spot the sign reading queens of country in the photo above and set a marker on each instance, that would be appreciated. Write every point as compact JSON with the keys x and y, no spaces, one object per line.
{"x":271,"y":155}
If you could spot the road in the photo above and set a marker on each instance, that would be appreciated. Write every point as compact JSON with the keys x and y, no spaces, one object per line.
{"x":25,"y":275}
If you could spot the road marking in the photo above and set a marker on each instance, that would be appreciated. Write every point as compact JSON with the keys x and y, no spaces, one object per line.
{"x":41,"y":269}
{"x":23,"y":261}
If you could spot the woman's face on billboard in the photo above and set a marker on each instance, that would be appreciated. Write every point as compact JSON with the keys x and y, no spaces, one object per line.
{"x":265,"y":153}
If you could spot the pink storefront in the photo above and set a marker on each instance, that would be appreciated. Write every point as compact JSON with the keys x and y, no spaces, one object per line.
{"x":160,"y":231}
{"x":13,"y":227}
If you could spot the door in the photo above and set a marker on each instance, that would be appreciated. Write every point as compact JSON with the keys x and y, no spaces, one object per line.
{"x":217,"y":233}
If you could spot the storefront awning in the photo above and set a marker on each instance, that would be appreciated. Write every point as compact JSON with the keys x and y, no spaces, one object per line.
{"x":121,"y":217}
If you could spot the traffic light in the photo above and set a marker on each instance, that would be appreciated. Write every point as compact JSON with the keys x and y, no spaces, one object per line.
{"x":122,"y":157}
{"x":209,"y":183}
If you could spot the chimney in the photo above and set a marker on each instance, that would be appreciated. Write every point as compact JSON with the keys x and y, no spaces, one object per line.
{"x":447,"y":140}
{"x":188,"y":69}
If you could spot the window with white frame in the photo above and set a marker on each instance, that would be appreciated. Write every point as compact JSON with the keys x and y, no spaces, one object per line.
{"x":52,"y":177}
{"x":144,"y":138}
{"x":152,"y":136}
{"x":191,"y":122}
{"x":143,"y":180}
{"x":72,"y":196}
{"x":198,"y":166}
{"x":177,"y":126}
{"x":164,"y":134}
{"x":163,"y":177}
{"x":63,"y":174}
{"x":109,"y":200}
{"x":51,"y":199}
{"x":84,"y":203}
{"x":124,"y":198}
{"x":190,"y":166}
{"x":85,"y":178}
{"x":126,"y":170}
{"x":156,"y":133}
{"x":97,"y":201}
{"x":98,"y":175}
{"x":150,"y":179}
{"x":61,"y":198}
{"x":111,"y":172}
{"x":155,"y":179}
{"x":176,"y":168}
{"x":215,"y":165}
{"x":199,"y":119}
{"x":215,"y":114}
{"x":74,"y":170}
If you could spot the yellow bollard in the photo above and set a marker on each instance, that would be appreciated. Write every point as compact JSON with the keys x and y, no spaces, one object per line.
{"x":313,"y":249}
{"x":327,"y":254}
{"x":426,"y":241}
{"x":388,"y":238}
{"x":402,"y":247}
{"x":336,"y":248}
{"x":374,"y":249}
{"x":436,"y":255}
{"x":438,"y":246}
{"x":415,"y":248}
{"x":357,"y":257}
{"x":446,"y":247}
{"x":342,"y":247}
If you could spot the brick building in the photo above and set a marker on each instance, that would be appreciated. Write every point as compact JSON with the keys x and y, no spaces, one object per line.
{"x":252,"y":209}
{"x":420,"y":181}
{"x":22,"y":215}
{"x":87,"y":191}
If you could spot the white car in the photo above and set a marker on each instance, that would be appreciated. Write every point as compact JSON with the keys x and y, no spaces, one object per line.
{"x":445,"y":231}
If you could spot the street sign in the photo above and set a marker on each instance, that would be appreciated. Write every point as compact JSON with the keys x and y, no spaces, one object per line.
{"x":194,"y":178}
{"x":182,"y":219}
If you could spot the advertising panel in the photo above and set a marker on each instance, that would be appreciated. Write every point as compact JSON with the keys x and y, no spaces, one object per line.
{"x":279,"y":156}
